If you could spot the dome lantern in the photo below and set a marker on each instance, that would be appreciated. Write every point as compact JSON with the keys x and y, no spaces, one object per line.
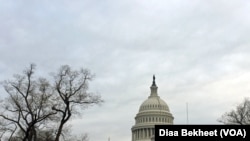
{"x":153,"y":88}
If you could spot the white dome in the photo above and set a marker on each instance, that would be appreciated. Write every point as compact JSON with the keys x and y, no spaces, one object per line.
{"x":154,"y":103}
{"x":152,"y":111}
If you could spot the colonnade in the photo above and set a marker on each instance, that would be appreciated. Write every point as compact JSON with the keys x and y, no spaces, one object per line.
{"x":144,"y":133}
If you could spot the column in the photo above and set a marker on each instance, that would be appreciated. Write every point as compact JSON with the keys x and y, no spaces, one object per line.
{"x":137,"y":134}
{"x":148,"y":132}
{"x":143,"y":131}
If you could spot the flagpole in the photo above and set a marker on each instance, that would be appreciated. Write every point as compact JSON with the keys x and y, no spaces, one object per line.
{"x":187,"y":112}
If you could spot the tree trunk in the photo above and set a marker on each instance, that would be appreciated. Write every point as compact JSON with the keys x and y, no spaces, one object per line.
{"x":59,"y":132}
{"x":26,"y":137}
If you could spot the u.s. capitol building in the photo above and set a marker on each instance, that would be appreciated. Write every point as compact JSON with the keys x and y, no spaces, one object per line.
{"x":152,"y":111}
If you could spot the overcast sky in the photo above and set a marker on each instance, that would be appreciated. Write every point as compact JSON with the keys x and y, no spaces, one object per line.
{"x":198,"y":50}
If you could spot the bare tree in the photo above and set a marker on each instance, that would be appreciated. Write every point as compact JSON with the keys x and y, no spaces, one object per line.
{"x":35,"y":110}
{"x":27,"y":107}
{"x":240,"y":115}
{"x":6,"y":127}
{"x":71,"y":87}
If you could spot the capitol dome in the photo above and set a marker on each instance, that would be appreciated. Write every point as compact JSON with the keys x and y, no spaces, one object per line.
{"x":154,"y":104}
{"x":152,"y":111}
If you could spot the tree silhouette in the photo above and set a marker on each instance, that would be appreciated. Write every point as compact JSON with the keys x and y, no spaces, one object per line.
{"x":33,"y":104}
{"x":240,"y":115}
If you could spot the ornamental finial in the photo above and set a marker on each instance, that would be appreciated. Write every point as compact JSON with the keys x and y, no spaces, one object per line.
{"x":153,"y":81}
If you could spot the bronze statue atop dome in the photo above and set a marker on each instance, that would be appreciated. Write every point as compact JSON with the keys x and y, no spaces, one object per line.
{"x":153,"y":81}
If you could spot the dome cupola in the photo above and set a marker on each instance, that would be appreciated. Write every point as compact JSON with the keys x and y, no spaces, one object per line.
{"x":154,"y":102}
{"x":152,"y":111}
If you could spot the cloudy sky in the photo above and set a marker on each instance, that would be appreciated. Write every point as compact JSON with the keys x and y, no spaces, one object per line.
{"x":198,"y":50}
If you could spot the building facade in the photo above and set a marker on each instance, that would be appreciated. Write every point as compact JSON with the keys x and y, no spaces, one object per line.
{"x":152,"y":111}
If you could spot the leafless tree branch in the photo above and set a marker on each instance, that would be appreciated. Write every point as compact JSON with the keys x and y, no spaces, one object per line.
{"x":240,"y":115}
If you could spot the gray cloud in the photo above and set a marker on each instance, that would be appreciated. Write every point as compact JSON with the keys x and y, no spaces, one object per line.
{"x":199,"y":51}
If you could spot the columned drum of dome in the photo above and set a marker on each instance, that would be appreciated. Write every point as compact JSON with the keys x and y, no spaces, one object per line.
{"x":151,"y":112}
